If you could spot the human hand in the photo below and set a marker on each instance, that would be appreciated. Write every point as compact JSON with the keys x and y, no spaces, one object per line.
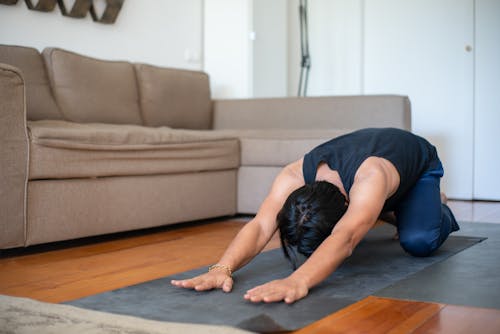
{"x":288,"y":290}
{"x":212,"y":280}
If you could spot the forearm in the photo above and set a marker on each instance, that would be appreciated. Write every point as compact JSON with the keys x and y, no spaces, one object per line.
{"x":325,"y":260}
{"x":245,"y":246}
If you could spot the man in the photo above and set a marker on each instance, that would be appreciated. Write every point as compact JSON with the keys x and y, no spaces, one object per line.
{"x":326,"y":202}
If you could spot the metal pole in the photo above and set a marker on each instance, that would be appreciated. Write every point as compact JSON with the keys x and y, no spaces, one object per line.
{"x":305,"y":62}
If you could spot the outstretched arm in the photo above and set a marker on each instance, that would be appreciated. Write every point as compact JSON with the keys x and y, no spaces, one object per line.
{"x":253,"y":237}
{"x":371,"y":187}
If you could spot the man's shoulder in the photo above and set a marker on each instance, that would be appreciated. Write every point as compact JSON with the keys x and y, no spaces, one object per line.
{"x":382,"y":169}
{"x":294,"y":170}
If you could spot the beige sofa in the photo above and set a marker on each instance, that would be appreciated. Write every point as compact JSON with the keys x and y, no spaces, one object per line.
{"x":90,"y":146}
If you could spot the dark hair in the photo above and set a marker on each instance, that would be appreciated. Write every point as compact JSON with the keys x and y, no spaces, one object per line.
{"x":308,"y":217}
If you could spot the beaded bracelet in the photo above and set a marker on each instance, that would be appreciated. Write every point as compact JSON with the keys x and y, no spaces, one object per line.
{"x":221,"y":266}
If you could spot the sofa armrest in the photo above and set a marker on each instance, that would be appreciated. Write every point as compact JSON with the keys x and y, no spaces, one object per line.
{"x":13,"y":157}
{"x":334,"y":112}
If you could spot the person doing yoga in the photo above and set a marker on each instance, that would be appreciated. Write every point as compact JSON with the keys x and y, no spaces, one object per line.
{"x":326,"y":202}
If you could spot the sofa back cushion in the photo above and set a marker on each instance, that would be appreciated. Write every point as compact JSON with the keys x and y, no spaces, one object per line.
{"x":40,"y":103}
{"x":174,"y":98}
{"x":91,"y":90}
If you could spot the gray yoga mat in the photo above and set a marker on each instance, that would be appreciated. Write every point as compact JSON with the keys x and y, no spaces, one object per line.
{"x":470,"y":278}
{"x":377,"y":262}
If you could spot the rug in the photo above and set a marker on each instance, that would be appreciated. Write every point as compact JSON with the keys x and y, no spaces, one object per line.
{"x":27,"y":316}
{"x":377,"y":262}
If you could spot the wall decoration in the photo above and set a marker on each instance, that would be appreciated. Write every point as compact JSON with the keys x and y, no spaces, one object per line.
{"x":110,"y":12}
{"x":42,"y":5}
{"x":79,"y":9}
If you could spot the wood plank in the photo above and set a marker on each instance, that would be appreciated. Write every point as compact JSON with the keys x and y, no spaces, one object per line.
{"x":385,"y":315}
{"x":375,"y":315}
{"x":462,"y":320}
{"x":74,"y":272}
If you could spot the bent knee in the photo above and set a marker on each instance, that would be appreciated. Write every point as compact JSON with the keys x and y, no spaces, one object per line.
{"x":419,"y":244}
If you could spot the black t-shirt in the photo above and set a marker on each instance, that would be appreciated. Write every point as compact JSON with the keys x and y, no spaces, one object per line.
{"x":410,"y":154}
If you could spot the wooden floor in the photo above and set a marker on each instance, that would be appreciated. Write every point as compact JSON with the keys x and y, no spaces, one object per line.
{"x":476,"y":211}
{"x":71,"y":270}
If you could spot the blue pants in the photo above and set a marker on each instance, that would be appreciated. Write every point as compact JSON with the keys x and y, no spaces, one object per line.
{"x":423,"y":221}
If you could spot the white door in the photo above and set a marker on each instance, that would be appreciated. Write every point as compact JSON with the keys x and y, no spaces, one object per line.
{"x":487,"y":101}
{"x":423,"y":49}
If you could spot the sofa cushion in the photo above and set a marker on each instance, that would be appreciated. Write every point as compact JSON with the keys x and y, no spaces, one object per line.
{"x":40,"y":103}
{"x":321,"y":112}
{"x":278,"y":147}
{"x":173,"y":97}
{"x":90,"y":90}
{"x":60,"y":149}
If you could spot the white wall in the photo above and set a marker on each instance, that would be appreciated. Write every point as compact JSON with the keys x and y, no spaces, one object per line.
{"x":335,"y":45}
{"x":270,"y":52}
{"x":245,"y":44}
{"x":228,"y":55}
{"x":293,"y":48}
{"x":164,"y":33}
